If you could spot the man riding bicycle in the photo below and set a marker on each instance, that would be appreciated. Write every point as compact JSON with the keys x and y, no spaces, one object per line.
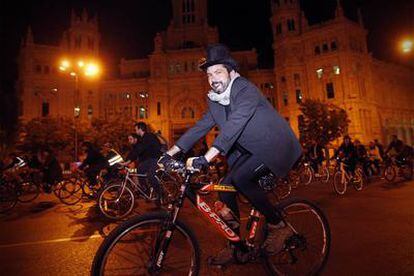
{"x":148,"y":150}
{"x":347,"y":152}
{"x":255,"y":139}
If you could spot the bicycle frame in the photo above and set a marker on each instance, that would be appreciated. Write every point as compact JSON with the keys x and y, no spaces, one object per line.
{"x":129,"y":178}
{"x":196,"y":199}
{"x":186,"y":191}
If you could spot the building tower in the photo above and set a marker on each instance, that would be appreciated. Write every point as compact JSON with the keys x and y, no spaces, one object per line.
{"x":188,"y":27}
{"x":288,"y":23}
{"x":82,"y":37}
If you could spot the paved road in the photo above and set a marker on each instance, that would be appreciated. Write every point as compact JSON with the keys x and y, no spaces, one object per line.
{"x":372,"y":234}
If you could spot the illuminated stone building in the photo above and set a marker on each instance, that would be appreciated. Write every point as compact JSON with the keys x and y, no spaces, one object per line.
{"x":328,"y":61}
{"x":43,"y":90}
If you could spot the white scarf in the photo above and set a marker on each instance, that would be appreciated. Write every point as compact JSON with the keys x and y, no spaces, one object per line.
{"x":223,"y":98}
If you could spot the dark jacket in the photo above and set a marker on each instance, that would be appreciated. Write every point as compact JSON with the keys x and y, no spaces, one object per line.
{"x":93,"y":158}
{"x":349,"y":151}
{"x":252,"y":124}
{"x":148,"y":148}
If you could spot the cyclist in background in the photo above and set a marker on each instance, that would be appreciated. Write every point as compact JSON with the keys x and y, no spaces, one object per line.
{"x":347,"y":152}
{"x":93,"y":163}
{"x":148,"y":151}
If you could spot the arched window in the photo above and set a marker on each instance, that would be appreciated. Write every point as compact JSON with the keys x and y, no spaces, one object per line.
{"x":187,"y":113}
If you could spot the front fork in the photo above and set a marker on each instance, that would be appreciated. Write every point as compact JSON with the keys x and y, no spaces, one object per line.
{"x":166,"y":233}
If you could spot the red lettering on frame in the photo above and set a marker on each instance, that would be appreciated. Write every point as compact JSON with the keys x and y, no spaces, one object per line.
{"x":206,"y":210}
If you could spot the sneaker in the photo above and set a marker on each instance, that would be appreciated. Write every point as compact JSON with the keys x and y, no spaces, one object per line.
{"x":225,"y":256}
{"x":275,"y":241}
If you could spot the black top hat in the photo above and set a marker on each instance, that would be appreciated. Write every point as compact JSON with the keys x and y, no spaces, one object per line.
{"x":217,"y":54}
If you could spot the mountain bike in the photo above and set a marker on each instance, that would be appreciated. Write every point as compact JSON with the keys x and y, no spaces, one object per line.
{"x":161,"y":243}
{"x":394,"y":167}
{"x":342,"y":177}
{"x":117,"y":200}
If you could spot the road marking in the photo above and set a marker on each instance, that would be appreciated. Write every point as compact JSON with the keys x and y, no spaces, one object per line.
{"x":60,"y":240}
{"x":50,"y":241}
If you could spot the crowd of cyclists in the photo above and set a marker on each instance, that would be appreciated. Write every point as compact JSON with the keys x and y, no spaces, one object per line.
{"x":146,"y":147}
{"x":369,"y":157}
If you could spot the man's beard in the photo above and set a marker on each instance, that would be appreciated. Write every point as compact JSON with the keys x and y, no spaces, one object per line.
{"x":220,"y":86}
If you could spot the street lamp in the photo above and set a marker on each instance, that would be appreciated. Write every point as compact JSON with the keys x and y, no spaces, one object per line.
{"x":407,"y":46}
{"x":88,"y":69}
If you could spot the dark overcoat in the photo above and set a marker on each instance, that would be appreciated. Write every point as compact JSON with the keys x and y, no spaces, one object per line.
{"x":253,"y":124}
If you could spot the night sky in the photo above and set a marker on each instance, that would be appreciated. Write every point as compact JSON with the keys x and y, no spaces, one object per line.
{"x":128,"y":26}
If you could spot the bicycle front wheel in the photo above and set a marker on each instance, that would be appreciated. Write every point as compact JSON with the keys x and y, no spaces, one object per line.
{"x":390,"y":173}
{"x":324,"y":174}
{"x":116,"y":202}
{"x":339,"y":183}
{"x":306,"y":250}
{"x":130,"y":249}
{"x":306,"y":175}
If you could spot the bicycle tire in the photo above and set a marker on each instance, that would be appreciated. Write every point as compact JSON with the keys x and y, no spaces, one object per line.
{"x":282,"y":189}
{"x":326,"y":175}
{"x":302,"y":242}
{"x":70,"y":193}
{"x":111,"y":208}
{"x":306,"y":175}
{"x":407,"y":171}
{"x":389,"y":173}
{"x":29,"y":191}
{"x":339,"y":183}
{"x":8,"y":198}
{"x":56,"y":188}
{"x":358,"y":181}
{"x":117,"y":239}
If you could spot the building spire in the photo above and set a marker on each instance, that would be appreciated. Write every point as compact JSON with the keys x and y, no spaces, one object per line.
{"x":339,"y":12}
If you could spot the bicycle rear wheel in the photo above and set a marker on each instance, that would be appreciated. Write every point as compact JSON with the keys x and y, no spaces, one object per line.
{"x":407,"y":171}
{"x":116,"y":202}
{"x":28,"y":191}
{"x":307,"y":250}
{"x":130,"y":249}
{"x":358,"y":181}
{"x":339,"y":183}
{"x":70,"y":192}
{"x":306,"y":175}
